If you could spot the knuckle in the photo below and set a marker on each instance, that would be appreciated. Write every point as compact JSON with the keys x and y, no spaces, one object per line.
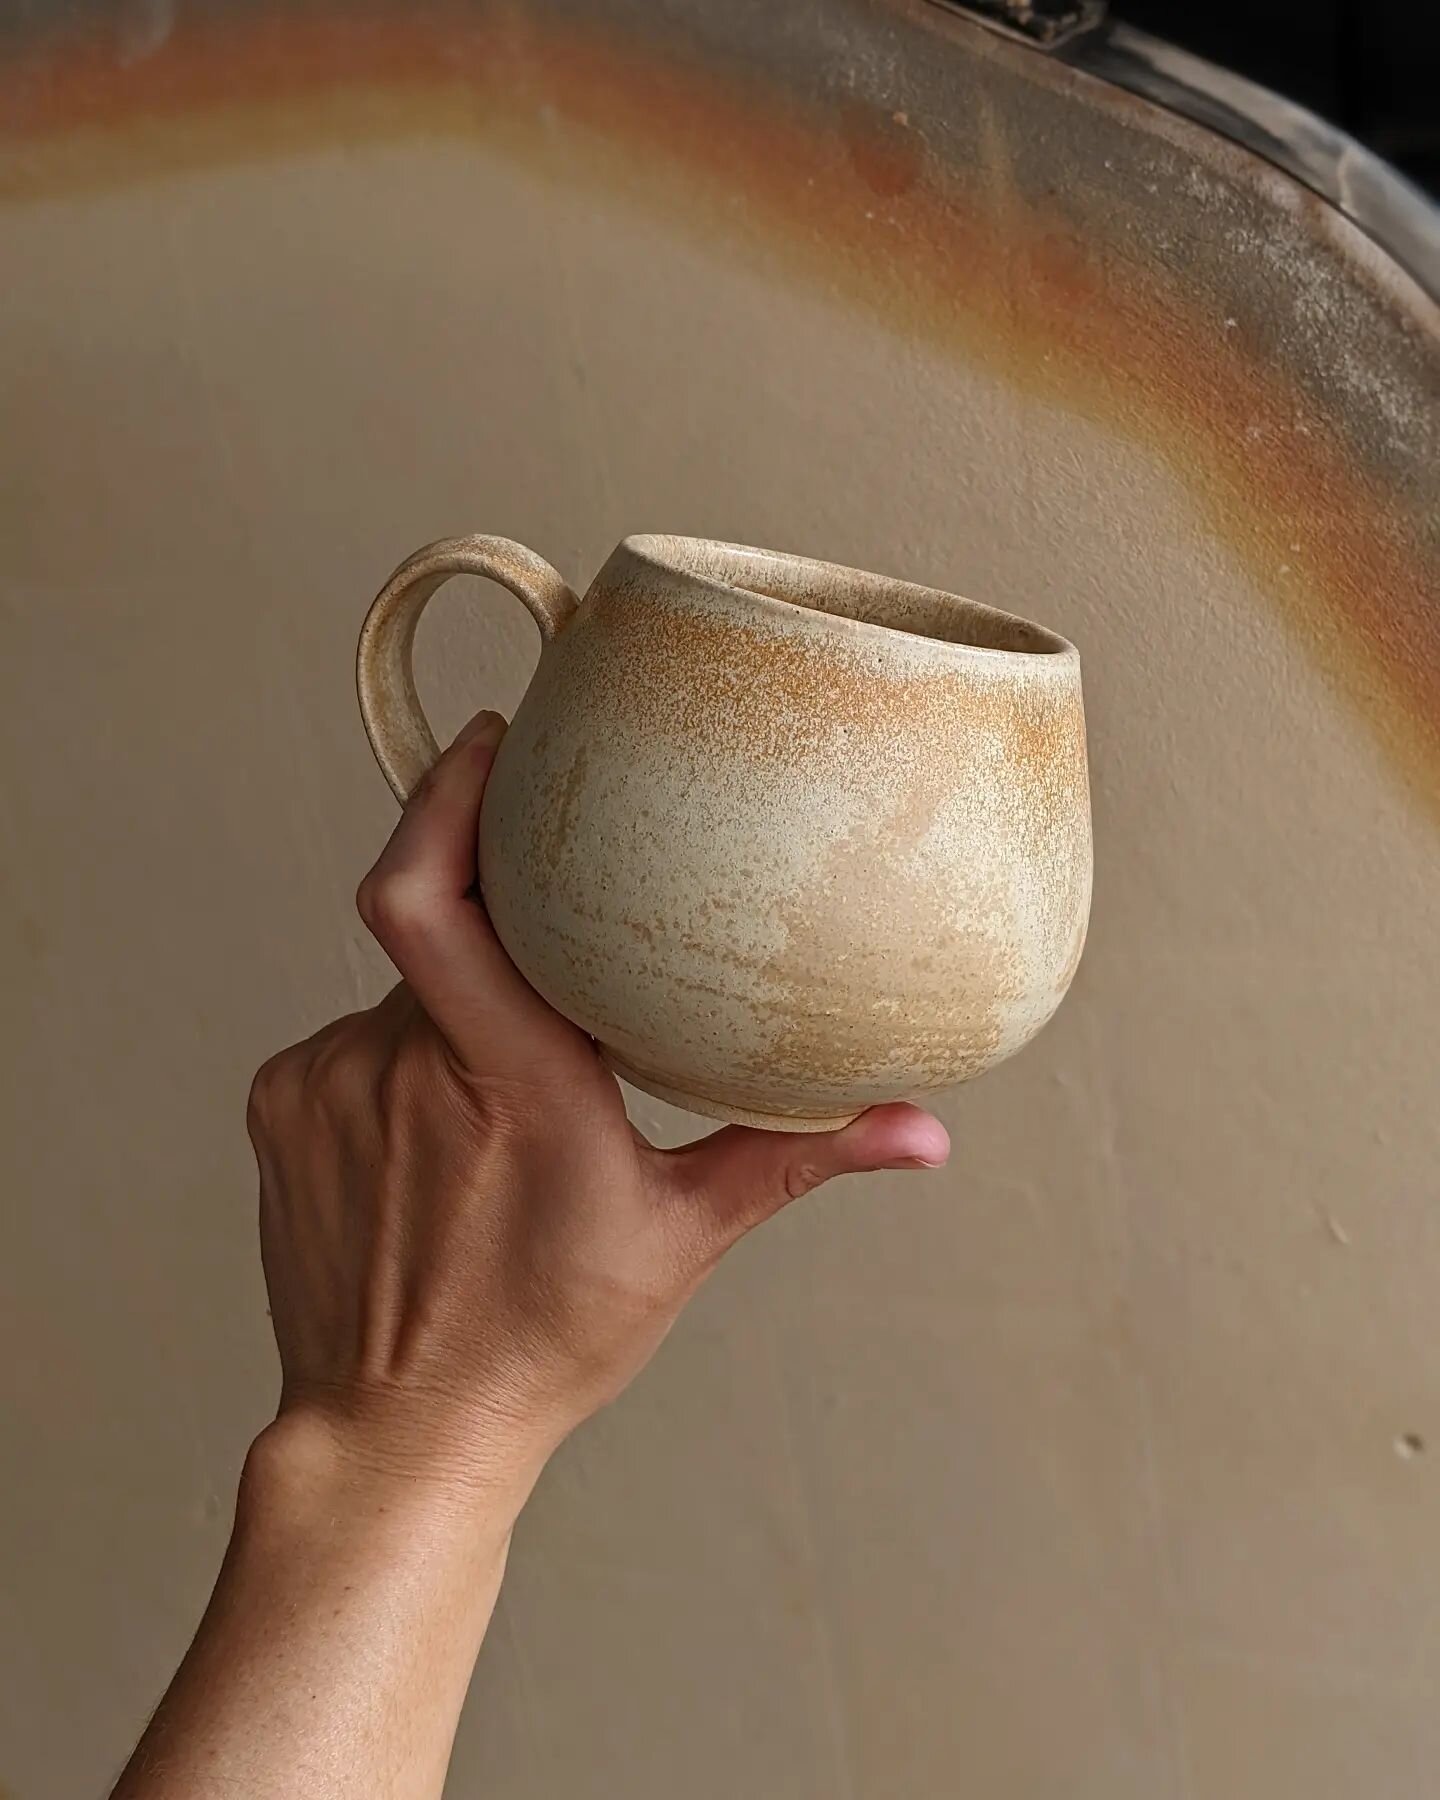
{"x":318,"y":1078}
{"x":393,"y":904}
{"x":327,"y":1080}
{"x":365,"y":900}
{"x":267,"y":1091}
{"x":337,"y":1071}
{"x":802,"y":1178}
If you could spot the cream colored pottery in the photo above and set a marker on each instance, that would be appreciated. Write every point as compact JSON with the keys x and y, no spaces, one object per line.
{"x":786,"y":839}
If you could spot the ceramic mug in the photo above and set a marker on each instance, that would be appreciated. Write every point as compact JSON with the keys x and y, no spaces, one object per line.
{"x":784,"y":838}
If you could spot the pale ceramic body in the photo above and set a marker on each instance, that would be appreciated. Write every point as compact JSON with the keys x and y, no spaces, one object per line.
{"x":782,"y":854}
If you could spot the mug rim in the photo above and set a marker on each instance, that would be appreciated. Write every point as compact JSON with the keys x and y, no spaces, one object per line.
{"x":649,"y":548}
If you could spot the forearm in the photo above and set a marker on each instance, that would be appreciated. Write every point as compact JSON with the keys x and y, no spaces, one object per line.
{"x":334,"y":1656}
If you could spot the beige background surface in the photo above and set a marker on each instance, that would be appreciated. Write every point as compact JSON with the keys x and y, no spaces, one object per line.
{"x":1075,"y":1471}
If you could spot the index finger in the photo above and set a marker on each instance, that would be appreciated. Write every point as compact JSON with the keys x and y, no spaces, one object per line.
{"x":419,"y":901}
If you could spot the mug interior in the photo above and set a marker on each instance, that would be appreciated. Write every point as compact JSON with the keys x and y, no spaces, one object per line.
{"x":851,"y":594}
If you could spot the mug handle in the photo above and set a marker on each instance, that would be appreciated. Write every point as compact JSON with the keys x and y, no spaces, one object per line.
{"x":395,"y":722}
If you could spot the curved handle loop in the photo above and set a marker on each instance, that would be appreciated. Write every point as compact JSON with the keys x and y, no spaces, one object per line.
{"x":395,"y":722}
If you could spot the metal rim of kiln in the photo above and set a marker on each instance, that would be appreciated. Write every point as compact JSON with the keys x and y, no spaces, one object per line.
{"x":1389,"y":208}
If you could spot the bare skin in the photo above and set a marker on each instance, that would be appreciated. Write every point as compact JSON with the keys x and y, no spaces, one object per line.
{"x":469,"y":1250}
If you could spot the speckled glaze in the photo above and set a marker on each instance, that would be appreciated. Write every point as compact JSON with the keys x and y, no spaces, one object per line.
{"x":786,"y":839}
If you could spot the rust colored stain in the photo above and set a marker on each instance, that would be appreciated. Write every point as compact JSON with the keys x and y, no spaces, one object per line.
{"x":563,"y":801}
{"x":846,"y":195}
{"x":883,"y":151}
{"x":780,"y":702}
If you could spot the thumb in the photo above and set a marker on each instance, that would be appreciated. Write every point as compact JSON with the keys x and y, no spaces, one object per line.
{"x":741,"y":1177}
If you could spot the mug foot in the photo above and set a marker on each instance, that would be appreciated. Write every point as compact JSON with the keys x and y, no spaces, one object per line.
{"x":718,"y":1109}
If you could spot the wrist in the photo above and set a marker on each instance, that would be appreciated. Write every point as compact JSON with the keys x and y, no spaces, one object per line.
{"x":308,"y":1477}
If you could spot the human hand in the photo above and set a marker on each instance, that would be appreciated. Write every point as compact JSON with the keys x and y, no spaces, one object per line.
{"x":468,"y":1247}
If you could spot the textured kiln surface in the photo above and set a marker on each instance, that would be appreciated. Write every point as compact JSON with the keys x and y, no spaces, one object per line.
{"x":1074,"y":1476}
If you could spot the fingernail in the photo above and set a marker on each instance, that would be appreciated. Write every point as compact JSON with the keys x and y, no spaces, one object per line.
{"x":485,"y":728}
{"x":914,"y":1162}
